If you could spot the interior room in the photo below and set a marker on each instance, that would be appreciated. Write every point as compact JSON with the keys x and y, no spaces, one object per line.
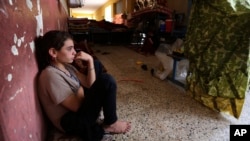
{"x":181,"y":67}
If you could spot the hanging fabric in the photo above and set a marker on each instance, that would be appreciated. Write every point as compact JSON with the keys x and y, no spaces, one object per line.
{"x":217,"y":45}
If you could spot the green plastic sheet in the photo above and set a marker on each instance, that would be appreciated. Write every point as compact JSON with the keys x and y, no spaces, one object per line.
{"x":217,"y":45}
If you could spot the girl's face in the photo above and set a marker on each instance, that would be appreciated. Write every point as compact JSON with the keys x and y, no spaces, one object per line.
{"x":67,"y":52}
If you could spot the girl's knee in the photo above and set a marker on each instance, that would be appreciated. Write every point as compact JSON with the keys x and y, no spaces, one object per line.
{"x":109,"y":80}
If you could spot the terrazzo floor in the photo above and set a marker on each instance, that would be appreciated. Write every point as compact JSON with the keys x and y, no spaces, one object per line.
{"x":160,"y":110}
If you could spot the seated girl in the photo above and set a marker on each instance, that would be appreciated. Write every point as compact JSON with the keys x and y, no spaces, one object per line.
{"x":73,"y":100}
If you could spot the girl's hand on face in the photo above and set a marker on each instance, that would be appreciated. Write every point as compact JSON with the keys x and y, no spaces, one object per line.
{"x":83,"y":56}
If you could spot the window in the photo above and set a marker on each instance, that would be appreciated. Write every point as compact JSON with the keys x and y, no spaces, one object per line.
{"x":108,"y":14}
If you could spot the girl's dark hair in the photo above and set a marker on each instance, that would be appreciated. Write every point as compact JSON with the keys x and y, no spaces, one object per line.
{"x":51,"y":39}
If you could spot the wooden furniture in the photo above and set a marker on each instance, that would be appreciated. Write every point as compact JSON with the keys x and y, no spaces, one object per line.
{"x":98,"y":31}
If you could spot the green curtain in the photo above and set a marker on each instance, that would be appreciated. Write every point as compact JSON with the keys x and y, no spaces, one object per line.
{"x":217,"y":45}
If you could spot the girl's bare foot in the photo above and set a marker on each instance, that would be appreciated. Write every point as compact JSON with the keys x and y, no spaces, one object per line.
{"x":118,"y":127}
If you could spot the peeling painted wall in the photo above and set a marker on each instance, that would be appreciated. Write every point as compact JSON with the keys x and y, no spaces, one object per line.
{"x":21,"y":20}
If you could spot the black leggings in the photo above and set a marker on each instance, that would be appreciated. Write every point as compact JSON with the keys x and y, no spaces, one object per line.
{"x":101,"y":95}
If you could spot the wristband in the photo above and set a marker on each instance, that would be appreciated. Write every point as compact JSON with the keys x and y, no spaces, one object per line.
{"x":90,"y":69}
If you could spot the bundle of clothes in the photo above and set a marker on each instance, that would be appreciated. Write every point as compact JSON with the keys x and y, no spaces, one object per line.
{"x":165,"y":65}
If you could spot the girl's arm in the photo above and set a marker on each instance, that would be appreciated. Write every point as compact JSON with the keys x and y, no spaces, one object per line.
{"x":88,"y":79}
{"x":73,"y":101}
